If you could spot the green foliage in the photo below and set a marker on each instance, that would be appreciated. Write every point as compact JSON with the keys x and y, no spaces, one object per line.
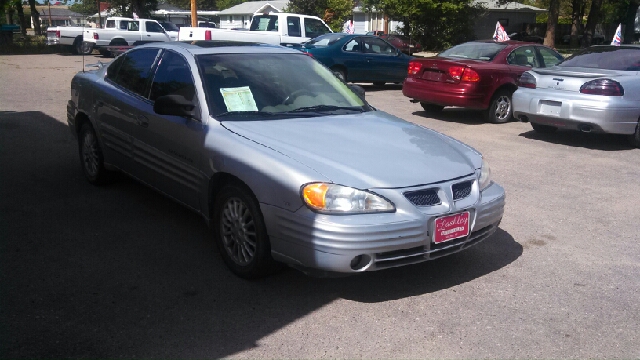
{"x":437,"y":24}
{"x":142,"y":8}
{"x":334,"y":12}
{"x":225,"y":4}
{"x":84,"y":7}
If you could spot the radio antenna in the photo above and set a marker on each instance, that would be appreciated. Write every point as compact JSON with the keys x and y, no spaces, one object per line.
{"x":82,"y":44}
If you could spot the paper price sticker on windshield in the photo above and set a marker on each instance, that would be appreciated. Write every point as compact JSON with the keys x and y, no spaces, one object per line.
{"x":238,"y":99}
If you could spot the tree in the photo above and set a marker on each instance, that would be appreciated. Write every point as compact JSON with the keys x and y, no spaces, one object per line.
{"x":35,"y":16}
{"x":438,"y":24}
{"x":142,"y":8}
{"x":87,"y":7}
{"x":552,"y":21}
{"x":202,"y":4}
{"x":593,"y":19}
{"x":333,"y":12}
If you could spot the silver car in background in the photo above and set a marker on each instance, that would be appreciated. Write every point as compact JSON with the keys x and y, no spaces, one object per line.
{"x":595,"y":90}
{"x":286,"y":162}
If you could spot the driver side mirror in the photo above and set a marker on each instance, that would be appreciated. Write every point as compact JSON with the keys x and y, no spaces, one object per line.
{"x":176,"y":105}
{"x":358,"y":90}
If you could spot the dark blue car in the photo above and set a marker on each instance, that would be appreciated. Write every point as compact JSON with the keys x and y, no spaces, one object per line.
{"x":359,"y":58}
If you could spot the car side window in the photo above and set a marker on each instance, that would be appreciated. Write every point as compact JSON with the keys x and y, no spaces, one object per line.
{"x":112,"y":69}
{"x":523,"y":56}
{"x":352,"y":45}
{"x":293,"y":26}
{"x":549,"y":57}
{"x":173,"y":77}
{"x":134,"y":26}
{"x":314,"y":28}
{"x":135,"y":69}
{"x":153,"y":27}
{"x":378,"y":46}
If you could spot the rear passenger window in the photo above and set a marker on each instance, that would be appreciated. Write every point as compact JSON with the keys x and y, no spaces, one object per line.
{"x":134,"y":70}
{"x":173,"y":78}
{"x":523,"y":56}
{"x":549,"y":57}
{"x":293,"y":26}
{"x":314,"y":28}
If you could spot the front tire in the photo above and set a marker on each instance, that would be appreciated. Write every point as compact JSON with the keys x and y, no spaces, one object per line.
{"x":501,"y":108}
{"x":543,"y":129}
{"x":91,"y":157}
{"x":240,"y":233}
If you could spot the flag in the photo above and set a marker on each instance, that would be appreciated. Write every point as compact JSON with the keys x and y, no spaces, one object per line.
{"x":500,"y":34}
{"x":135,"y":16}
{"x":617,"y":38}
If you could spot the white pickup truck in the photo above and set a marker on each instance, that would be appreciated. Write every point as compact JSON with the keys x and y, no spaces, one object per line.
{"x":271,"y":28}
{"x":72,"y":35}
{"x":136,"y":32}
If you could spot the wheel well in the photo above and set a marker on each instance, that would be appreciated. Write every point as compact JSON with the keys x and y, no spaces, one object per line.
{"x":81,"y":119}
{"x":341,"y":68}
{"x":218,"y":181}
{"x":78,"y":39}
{"x":509,"y":87}
{"x":118,"y":41}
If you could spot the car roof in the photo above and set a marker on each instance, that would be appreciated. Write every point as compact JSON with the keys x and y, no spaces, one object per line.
{"x":508,"y":42}
{"x":200,"y":47}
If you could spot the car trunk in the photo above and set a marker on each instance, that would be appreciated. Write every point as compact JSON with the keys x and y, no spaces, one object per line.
{"x":568,"y":79}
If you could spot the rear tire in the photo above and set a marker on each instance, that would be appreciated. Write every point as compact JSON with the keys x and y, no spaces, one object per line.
{"x":501,"y":108}
{"x":87,"y":48}
{"x":635,"y":138}
{"x":91,"y":157}
{"x":240,"y":233}
{"x":340,"y":73}
{"x":543,"y":129}
{"x":431,"y":108}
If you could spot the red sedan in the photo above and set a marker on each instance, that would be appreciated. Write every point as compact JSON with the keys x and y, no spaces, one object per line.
{"x":478,"y":75}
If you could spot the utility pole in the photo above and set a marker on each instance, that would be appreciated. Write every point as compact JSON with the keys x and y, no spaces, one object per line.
{"x":50,"y":22}
{"x":194,"y":13}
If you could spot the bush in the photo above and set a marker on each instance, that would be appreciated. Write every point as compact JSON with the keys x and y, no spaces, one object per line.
{"x":30,"y":44}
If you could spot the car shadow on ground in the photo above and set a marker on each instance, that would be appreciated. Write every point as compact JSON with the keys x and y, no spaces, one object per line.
{"x":455,"y":114}
{"x":121,"y":271}
{"x":593,"y":141}
{"x":374,"y":88}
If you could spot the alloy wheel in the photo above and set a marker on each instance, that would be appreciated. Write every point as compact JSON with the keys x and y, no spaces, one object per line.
{"x":503,"y":108}
{"x":238,"y":231}
{"x":90,"y":156}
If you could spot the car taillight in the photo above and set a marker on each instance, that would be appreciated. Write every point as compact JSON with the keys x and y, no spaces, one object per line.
{"x":207,"y":35}
{"x":606,"y":87}
{"x":95,"y":36}
{"x":414,"y":67}
{"x":307,"y":53}
{"x":58,"y":34}
{"x":464,"y":74}
{"x":527,"y":80}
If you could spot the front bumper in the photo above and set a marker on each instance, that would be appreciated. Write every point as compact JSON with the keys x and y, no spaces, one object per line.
{"x":328,"y":243}
{"x":574,"y":111}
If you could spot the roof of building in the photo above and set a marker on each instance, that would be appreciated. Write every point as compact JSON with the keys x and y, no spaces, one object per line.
{"x":511,"y":6}
{"x":251,"y":7}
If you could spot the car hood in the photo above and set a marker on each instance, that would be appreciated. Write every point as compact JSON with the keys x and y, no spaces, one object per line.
{"x":366,"y":150}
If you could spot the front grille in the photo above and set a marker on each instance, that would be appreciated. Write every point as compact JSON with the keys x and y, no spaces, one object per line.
{"x":427,"y":197}
{"x":461,"y":190}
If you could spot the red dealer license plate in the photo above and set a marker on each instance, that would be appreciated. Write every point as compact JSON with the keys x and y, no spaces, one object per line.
{"x":451,"y":227}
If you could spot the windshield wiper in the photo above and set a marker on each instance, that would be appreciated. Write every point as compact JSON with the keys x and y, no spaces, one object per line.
{"x":247,"y":113}
{"x":321,"y":108}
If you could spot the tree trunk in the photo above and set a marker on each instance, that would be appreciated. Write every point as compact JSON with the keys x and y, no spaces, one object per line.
{"x":552,"y":22}
{"x":629,"y":35}
{"x":592,"y":21}
{"x":577,"y":14}
{"x":35,"y":16}
{"x":23,"y":21}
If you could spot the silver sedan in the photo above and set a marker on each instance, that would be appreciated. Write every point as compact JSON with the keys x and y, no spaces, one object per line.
{"x":288,"y":164}
{"x":596,"y":90}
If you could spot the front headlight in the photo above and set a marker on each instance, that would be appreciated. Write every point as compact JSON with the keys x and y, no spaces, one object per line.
{"x":485,"y":175}
{"x":338,"y":199}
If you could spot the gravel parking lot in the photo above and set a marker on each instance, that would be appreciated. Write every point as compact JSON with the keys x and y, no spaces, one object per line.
{"x":122,"y":271}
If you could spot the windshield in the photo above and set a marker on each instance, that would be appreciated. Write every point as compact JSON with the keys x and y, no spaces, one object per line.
{"x":474,"y":50}
{"x":606,"y":57}
{"x":324,"y":40}
{"x":259,"y":86}
{"x":169,"y":26}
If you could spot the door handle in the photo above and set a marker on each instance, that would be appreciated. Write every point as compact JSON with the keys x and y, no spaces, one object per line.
{"x":142,"y":121}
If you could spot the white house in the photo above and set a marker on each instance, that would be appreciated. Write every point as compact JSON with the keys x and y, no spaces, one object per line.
{"x":239,"y":16}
